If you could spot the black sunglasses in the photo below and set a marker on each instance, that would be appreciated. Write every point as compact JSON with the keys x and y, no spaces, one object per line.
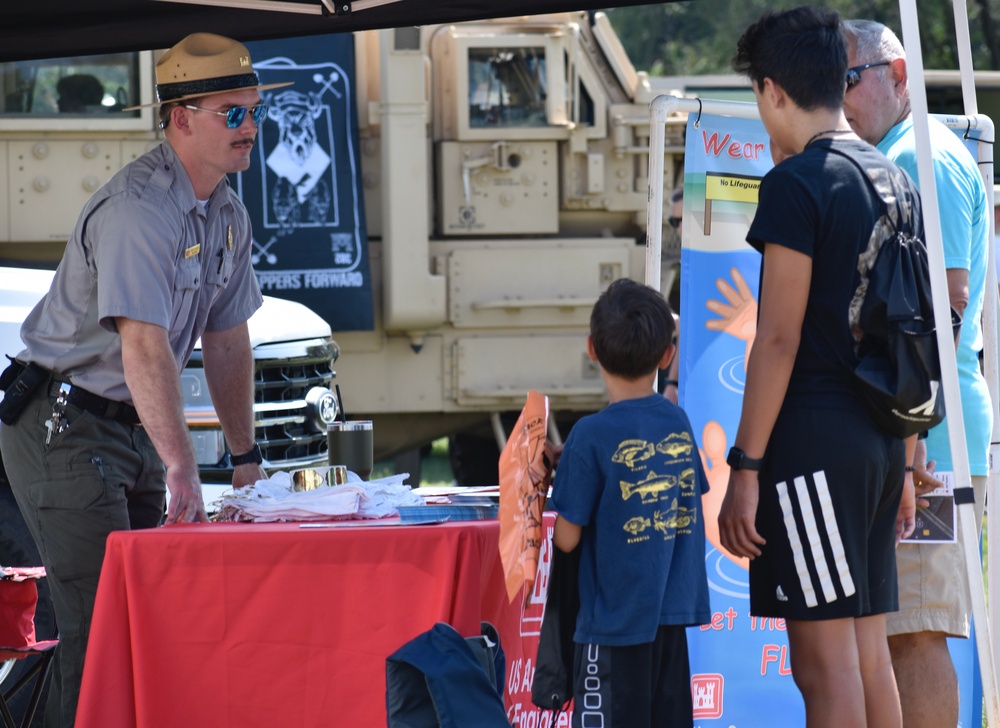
{"x":236,"y":115}
{"x":854,"y":74}
{"x":674,"y":222}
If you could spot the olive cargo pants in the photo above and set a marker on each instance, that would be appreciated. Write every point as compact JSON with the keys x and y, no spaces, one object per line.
{"x":95,"y":477}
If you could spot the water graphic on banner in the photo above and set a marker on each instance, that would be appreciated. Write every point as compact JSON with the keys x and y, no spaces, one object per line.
{"x":303,"y":187}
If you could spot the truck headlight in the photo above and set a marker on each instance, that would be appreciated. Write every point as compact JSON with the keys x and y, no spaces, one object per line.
{"x":203,"y":422}
{"x":209,"y":446}
{"x":194,"y":388}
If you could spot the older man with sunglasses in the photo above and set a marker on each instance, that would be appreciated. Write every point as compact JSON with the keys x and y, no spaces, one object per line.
{"x":94,"y":430}
{"x":933,"y":591}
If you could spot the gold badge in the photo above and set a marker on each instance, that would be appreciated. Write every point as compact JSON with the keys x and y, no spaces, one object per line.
{"x":244,"y":61}
{"x":192,"y":251}
{"x":229,"y":238}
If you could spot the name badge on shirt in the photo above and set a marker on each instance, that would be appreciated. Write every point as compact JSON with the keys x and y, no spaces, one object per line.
{"x":192,"y":251}
{"x":229,"y":238}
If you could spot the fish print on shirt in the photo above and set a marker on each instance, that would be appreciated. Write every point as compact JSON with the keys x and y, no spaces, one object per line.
{"x":663,"y":486}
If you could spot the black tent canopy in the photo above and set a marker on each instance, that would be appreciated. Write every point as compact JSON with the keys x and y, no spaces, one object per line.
{"x":56,"y":28}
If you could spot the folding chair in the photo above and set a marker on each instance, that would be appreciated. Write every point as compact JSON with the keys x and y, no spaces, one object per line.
{"x":18,"y":597}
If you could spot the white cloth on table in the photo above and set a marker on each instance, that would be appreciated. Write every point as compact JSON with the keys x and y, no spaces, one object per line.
{"x":274,"y":500}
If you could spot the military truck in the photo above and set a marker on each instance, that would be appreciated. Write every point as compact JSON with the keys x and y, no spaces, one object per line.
{"x":531,"y":134}
{"x":504,"y":166}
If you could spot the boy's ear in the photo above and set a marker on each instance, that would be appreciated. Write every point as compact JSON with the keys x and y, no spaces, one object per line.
{"x":773,"y":92}
{"x":668,"y":356}
{"x":590,"y":349}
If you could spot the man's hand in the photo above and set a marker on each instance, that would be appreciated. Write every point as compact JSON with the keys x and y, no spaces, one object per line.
{"x":924,"y":479}
{"x":248,"y":474}
{"x":737,"y":528}
{"x":186,"y":502}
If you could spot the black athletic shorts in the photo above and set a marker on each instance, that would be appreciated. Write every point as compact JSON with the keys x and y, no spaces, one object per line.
{"x":829,"y":495}
{"x":638,"y":686}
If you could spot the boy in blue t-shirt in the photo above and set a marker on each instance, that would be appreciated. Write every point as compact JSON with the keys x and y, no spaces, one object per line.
{"x":628,"y":491}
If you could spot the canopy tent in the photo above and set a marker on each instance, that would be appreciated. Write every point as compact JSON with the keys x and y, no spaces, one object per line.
{"x":56,"y":28}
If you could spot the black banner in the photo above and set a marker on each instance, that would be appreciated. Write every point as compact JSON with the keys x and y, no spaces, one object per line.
{"x":303,"y":188}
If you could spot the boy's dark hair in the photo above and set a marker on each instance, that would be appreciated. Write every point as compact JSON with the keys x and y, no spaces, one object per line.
{"x":802,"y":50}
{"x":631,"y":326}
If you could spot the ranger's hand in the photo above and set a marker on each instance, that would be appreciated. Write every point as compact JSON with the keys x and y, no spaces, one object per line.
{"x":186,"y":502}
{"x":248,"y":474}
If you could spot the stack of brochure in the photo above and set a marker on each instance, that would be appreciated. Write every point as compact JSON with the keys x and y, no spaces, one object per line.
{"x":452,"y":504}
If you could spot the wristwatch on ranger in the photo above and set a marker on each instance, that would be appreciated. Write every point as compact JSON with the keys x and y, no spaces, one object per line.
{"x":739,"y":460}
{"x":253,"y":456}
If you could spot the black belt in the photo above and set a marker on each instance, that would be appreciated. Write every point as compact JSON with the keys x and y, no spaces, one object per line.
{"x":100,"y":406}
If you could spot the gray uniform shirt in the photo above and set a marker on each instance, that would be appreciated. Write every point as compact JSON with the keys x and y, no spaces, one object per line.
{"x":143,"y":249}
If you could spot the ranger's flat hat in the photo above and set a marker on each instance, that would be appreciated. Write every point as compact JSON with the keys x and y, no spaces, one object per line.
{"x":203,"y":64}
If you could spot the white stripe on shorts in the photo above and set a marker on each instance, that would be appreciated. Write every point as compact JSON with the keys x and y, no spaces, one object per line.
{"x":833,"y":532}
{"x":803,"y":513}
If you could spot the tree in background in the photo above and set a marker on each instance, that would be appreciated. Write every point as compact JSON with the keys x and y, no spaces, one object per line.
{"x":698,"y":37}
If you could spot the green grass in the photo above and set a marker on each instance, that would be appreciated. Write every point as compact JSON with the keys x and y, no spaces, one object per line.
{"x":435,"y":467}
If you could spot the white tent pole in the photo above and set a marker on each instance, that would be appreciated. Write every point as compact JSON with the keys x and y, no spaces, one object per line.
{"x":654,"y":202}
{"x":991,"y":368}
{"x":965,"y":57}
{"x":968,"y":532}
{"x":990,"y":365}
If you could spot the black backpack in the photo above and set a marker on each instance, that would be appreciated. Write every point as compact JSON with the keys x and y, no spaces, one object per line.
{"x":898,"y":371}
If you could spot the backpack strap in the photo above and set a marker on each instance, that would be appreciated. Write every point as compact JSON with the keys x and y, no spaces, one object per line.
{"x":885,"y":190}
{"x":885,"y":228}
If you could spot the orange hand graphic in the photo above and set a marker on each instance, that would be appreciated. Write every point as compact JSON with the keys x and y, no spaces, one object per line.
{"x":739,"y":316}
{"x":713,"y":459}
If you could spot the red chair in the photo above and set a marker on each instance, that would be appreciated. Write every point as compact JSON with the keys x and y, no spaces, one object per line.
{"x":18,"y":597}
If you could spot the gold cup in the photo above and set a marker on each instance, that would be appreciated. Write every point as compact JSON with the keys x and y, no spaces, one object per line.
{"x":313,"y":478}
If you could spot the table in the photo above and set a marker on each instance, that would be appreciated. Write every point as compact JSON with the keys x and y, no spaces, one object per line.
{"x":277,"y":625}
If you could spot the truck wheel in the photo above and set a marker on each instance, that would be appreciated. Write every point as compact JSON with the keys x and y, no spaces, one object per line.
{"x":17,"y":548}
{"x":474,"y":459}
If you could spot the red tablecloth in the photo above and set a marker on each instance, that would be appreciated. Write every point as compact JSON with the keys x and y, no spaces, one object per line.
{"x":276,"y":625}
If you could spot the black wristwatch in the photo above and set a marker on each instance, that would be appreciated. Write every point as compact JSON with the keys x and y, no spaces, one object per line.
{"x":253,"y":456}
{"x":738,"y":460}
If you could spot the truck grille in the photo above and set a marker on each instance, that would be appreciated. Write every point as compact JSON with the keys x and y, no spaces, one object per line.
{"x":293,"y":405}
{"x":288,"y":426}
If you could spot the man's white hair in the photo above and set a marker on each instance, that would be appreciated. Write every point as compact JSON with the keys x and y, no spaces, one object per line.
{"x":872,"y":41}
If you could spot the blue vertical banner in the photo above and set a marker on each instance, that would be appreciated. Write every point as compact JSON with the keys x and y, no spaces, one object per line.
{"x":740,"y":668}
{"x":303,"y":187}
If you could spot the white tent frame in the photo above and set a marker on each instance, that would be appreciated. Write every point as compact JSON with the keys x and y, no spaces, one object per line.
{"x":662,"y":106}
